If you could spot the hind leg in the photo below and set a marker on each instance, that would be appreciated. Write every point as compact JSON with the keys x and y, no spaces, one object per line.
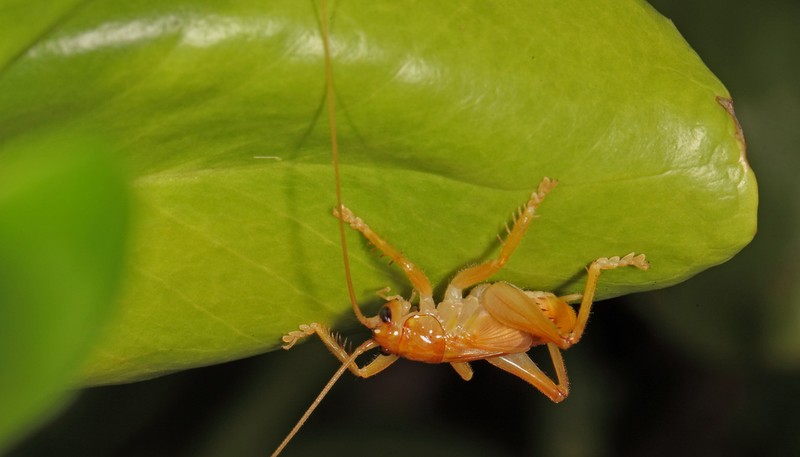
{"x":595,"y":269}
{"x":522,"y":366}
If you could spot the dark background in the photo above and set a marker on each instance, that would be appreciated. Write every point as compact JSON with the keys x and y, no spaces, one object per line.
{"x":710,"y":367}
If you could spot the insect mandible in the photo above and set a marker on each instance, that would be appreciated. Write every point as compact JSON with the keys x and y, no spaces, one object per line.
{"x":496,"y":322}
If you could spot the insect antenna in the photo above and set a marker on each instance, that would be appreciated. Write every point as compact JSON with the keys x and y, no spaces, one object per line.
{"x":364,"y":347}
{"x":369,"y":344}
{"x":335,"y":160}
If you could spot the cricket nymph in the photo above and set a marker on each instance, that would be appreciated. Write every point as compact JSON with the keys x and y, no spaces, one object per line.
{"x":463,"y":329}
{"x":497,"y":322}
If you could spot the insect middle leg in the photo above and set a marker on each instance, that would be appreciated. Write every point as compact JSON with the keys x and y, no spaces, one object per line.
{"x":376,"y":366}
{"x":418,"y":279}
{"x":473,"y":275}
{"x":463,"y":369}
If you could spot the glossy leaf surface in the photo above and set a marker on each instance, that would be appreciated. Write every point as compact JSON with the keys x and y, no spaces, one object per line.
{"x":449,"y":116}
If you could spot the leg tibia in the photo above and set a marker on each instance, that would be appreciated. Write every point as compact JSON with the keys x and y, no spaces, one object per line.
{"x":473,"y":275}
{"x":522,"y":366}
{"x":594,"y":271}
{"x":418,"y":279}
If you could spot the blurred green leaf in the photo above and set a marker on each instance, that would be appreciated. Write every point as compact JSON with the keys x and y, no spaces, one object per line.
{"x":449,"y":115}
{"x":63,"y":210}
{"x":24,"y":22}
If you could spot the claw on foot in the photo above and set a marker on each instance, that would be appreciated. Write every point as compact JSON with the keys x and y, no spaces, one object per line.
{"x":293,"y":337}
{"x":609,"y":263}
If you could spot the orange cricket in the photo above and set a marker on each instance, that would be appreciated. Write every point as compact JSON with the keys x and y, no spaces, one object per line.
{"x":496,"y":322}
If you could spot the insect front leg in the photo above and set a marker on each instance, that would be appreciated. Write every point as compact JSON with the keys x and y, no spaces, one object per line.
{"x":473,"y":275}
{"x":522,"y":366}
{"x":594,"y":271}
{"x":417,"y":278}
{"x":376,"y":366}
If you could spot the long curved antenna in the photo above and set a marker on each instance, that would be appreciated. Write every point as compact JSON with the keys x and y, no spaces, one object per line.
{"x":335,"y":160}
{"x":365,"y":346}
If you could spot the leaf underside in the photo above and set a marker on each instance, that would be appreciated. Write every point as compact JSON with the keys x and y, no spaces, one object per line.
{"x":449,"y":115}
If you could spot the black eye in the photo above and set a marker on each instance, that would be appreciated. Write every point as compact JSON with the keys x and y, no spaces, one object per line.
{"x":385,"y":351}
{"x":385,"y":314}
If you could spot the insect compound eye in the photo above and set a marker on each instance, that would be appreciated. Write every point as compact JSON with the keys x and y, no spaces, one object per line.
{"x":385,"y":351}
{"x":385,"y":314}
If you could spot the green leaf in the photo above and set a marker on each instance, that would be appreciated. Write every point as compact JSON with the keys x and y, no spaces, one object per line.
{"x":24,"y":22}
{"x":63,"y":209}
{"x":449,"y":116}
